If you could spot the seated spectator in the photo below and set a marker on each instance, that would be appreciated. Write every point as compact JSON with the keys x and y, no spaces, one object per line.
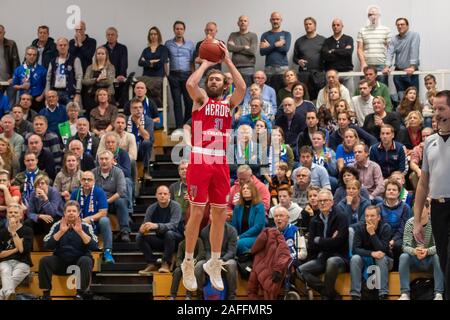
{"x":302,"y":104}
{"x":51,"y":141}
{"x":69,"y":178}
{"x":100,"y":74}
{"x":8,"y":159}
{"x":345,"y":176}
{"x":416,"y":159}
{"x":267,"y":108}
{"x":161,"y":231}
{"x":371,"y":247}
{"x":378,"y":89}
{"x":420,"y":256}
{"x":25,"y":102}
{"x":178,"y":190}
{"x":327,"y":248}
{"x":389,"y":154}
{"x":245,"y":175}
{"x":248,"y":218}
{"x":292,"y":234}
{"x":312,"y":207}
{"x":344,"y":152}
{"x":31,"y":77}
{"x":285,"y":201}
{"x":343,"y":106}
{"x":71,"y":241}
{"x":87,"y":162}
{"x":412,"y":135}
{"x":16,"y":242}
{"x":227,"y":255}
{"x":312,"y":125}
{"x":199,"y":255}
{"x":142,"y":127}
{"x":8,"y":194}
{"x":326,"y":121}
{"x":290,"y":121}
{"x":332,"y":100}
{"x":45,"y":206}
{"x":15,"y":140}
{"x":280,"y":179}
{"x":374,"y":121}
{"x":112,"y":180}
{"x":344,"y":122}
{"x":53,"y":111}
{"x":289,"y":79}
{"x":427,"y":103}
{"x":94,"y":211}
{"x":21,"y":126}
{"x":410,"y":102}
{"x":268,"y":94}
{"x":89,"y":140}
{"x":324,"y":156}
{"x":395,"y":213}
{"x":302,"y":180}
{"x":362,"y":103}
{"x":68,"y":128}
{"x":353,"y":205}
{"x":279,"y":152}
{"x":332,"y":77}
{"x":150,"y":108}
{"x":405,"y":195}
{"x":103,"y":116}
{"x":256,"y":113}
{"x":319,"y":175}
{"x":25,"y":179}
{"x":45,"y":158}
{"x":370,"y":174}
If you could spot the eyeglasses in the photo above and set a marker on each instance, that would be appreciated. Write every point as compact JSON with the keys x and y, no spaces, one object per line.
{"x":301,"y":175}
{"x":323,"y":201}
{"x":87,"y":179}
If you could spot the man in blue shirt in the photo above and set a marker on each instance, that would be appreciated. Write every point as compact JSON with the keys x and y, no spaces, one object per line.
{"x":268,"y":93}
{"x":405,"y":48}
{"x":53,"y":111}
{"x":94,"y":211}
{"x":181,"y":57}
{"x":275,"y":45}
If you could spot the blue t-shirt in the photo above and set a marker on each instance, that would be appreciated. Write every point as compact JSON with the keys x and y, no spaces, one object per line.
{"x":100,"y":201}
{"x":349,"y":157}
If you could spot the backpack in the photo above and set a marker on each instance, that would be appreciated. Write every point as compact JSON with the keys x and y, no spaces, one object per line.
{"x":211,"y":293}
{"x":422,"y":289}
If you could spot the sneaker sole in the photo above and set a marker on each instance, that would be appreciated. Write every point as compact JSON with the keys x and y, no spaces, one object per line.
{"x":213,"y":283}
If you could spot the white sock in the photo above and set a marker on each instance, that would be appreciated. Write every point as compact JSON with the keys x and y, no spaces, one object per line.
{"x":189,"y":256}
{"x":215,"y":255}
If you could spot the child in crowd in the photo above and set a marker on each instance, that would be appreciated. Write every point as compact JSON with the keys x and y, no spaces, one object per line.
{"x":279,"y":179}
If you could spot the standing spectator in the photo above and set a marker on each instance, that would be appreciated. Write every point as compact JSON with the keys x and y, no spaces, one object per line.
{"x":337,"y":52}
{"x":181,"y":61}
{"x":307,"y":54}
{"x":30,"y":77}
{"x":118,"y":56}
{"x":99,"y":74}
{"x":362,"y":104}
{"x":45,"y":45}
{"x":327,"y":248}
{"x":14,"y":139}
{"x":405,"y":48}
{"x":243,"y":45}
{"x":373,"y":40}
{"x":275,"y":45}
{"x":53,"y":111}
{"x":389,"y":154}
{"x":71,"y":241}
{"x":65,"y":73}
{"x":160,"y":231}
{"x":371,"y":246}
{"x":16,"y":242}
{"x":102,"y":116}
{"x":88,"y":139}
{"x":82,"y":46}
{"x":69,"y":178}
{"x":9,"y":61}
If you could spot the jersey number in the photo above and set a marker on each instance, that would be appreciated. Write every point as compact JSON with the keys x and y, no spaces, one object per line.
{"x":219,"y":124}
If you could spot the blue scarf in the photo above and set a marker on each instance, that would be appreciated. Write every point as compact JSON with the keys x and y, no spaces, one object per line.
{"x":28,"y":186}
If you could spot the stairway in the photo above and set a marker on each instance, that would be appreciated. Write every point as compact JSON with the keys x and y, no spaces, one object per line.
{"x":122,"y":280}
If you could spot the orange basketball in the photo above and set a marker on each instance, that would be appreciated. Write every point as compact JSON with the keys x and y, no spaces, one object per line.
{"x":211,"y":51}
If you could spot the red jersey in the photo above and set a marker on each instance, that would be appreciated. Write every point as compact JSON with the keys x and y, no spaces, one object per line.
{"x":211,"y":126}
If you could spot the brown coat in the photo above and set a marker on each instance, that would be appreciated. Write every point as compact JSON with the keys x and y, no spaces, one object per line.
{"x":271,"y":254}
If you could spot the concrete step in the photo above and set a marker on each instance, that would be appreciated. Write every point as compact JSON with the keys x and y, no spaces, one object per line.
{"x":123,"y":266}
{"x":101,"y":288}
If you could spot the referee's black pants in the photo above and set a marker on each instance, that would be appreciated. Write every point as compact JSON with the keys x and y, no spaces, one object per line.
{"x":440,"y":221}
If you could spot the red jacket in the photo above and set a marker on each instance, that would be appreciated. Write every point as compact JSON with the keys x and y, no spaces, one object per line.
{"x":270,"y":254}
{"x":264,"y":193}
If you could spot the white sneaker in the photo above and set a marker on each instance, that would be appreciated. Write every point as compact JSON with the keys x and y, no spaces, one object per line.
{"x":214,"y":269}
{"x":438,"y":296}
{"x":404,"y":296}
{"x":189,"y":281}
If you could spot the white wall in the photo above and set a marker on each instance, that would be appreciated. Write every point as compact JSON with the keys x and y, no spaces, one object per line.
{"x":133,"y":18}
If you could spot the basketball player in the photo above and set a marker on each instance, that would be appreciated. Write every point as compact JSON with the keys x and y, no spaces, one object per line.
{"x":208,"y":175}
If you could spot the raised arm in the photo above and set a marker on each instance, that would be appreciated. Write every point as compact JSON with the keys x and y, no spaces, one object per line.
{"x":238,"y":81}
{"x":197,"y":94}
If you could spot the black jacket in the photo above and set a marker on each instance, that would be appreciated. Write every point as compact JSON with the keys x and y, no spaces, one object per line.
{"x":364,"y":244}
{"x":49,"y":52}
{"x":85,"y":52}
{"x":328,"y":246}
{"x":119,"y":58}
{"x":340,"y":58}
{"x":11,"y":55}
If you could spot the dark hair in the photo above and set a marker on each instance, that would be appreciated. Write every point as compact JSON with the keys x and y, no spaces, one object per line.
{"x":305,"y":89}
{"x":72,"y":203}
{"x":135,"y":100}
{"x":364,"y":81}
{"x":306,"y":149}
{"x":372,"y":207}
{"x":446,"y":94}
{"x":179,"y":22}
{"x":44,"y":27}
{"x":157,"y":31}
{"x":404,"y":19}
{"x":373,"y":68}
{"x":353,"y":171}
{"x":255,"y":194}
{"x":394,"y":182}
{"x":280,"y":129}
{"x":286,"y":188}
{"x":430,"y":76}
{"x":406,"y":107}
{"x":98,"y":91}
{"x":362,"y":144}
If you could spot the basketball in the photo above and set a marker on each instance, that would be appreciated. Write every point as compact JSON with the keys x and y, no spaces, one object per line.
{"x":210,"y":50}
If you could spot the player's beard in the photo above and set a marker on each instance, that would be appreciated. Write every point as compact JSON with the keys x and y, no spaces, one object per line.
{"x":214,"y":92}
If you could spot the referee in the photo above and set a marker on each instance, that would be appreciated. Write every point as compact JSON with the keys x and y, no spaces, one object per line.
{"x":435,"y":183}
